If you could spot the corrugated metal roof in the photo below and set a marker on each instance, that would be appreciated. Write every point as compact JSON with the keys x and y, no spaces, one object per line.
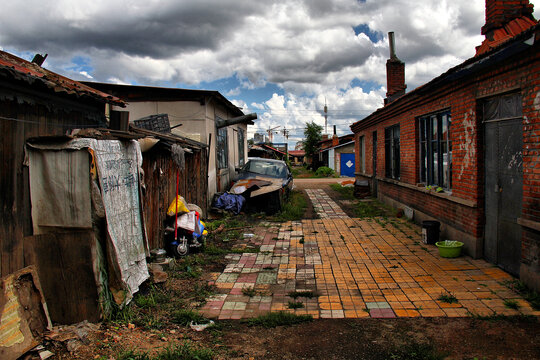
{"x":509,"y":31}
{"x":20,"y":69}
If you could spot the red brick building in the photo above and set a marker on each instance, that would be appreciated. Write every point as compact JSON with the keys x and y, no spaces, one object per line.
{"x":464,"y":149}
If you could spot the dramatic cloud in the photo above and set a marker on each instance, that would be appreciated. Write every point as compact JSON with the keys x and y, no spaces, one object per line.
{"x":281,"y":59}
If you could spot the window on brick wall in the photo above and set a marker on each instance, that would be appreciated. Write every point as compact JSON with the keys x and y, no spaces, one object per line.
{"x":221,"y":148}
{"x":241,"y":152}
{"x":391,"y":147}
{"x":436,"y":150}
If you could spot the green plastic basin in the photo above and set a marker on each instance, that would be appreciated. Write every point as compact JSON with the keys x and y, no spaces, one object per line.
{"x":449,"y":248}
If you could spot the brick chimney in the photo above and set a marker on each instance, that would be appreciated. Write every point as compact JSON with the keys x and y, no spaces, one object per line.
{"x":335,"y":139}
{"x":395,"y":74}
{"x":501,"y":12}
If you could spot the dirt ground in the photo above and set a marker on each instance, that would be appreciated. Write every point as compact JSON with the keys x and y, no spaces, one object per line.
{"x":400,"y":338}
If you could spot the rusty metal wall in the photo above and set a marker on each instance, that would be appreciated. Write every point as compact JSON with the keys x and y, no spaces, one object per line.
{"x":20,"y":120}
{"x":160,"y":180}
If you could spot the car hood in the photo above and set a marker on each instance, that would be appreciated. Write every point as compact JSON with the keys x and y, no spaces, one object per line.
{"x":256,"y":185}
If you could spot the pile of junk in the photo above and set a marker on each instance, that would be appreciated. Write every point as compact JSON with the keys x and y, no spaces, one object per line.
{"x":184,"y":230}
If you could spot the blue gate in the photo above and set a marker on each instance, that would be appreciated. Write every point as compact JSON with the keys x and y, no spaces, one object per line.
{"x":347,"y":165}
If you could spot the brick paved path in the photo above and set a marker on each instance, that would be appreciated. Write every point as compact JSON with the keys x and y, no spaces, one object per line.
{"x":324,"y":206}
{"x":355,"y":268}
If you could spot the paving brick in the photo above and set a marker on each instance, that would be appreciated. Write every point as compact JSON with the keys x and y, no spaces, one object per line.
{"x":358,"y":268}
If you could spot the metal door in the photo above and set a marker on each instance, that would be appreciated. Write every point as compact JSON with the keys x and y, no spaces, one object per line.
{"x":503,"y":192}
{"x":347,"y":164}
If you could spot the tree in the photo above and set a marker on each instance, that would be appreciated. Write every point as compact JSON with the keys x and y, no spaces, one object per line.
{"x":312,"y":134}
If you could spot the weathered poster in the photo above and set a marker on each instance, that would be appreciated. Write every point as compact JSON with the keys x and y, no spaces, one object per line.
{"x":118,"y":163}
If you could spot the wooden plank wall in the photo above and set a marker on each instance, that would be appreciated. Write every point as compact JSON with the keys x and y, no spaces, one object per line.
{"x":18,"y":122}
{"x":160,"y":180}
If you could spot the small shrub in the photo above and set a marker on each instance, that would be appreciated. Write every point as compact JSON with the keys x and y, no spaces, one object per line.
{"x":324,"y":171}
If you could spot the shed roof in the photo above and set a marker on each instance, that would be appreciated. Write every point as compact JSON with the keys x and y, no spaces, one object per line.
{"x":16,"y":68}
{"x":134,"y":93}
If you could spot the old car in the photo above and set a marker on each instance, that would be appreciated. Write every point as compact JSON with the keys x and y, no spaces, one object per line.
{"x":265,"y":183}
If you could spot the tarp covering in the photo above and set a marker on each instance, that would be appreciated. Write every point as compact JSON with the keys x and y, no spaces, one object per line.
{"x":118,"y":164}
{"x":60,"y":190}
{"x":230,"y":202}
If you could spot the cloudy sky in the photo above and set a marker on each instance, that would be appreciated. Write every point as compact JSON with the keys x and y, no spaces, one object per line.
{"x":279,"y":58}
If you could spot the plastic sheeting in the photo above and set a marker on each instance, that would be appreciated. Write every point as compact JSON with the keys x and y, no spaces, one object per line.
{"x":230,"y":202}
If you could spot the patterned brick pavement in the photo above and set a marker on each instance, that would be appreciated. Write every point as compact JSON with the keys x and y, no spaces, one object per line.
{"x":356,"y":268}
{"x":324,"y":206}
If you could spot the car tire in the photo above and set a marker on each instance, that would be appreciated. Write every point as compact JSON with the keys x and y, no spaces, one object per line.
{"x":274,"y":203}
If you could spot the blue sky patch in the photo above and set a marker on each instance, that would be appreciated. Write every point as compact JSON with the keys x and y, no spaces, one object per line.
{"x":374,"y":36}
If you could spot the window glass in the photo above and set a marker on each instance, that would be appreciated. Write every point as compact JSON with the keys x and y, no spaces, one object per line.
{"x":221,"y":148}
{"x":241,"y":152}
{"x":436,"y":150}
{"x":392,"y":156}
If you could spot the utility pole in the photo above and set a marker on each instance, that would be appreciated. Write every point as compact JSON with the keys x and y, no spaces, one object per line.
{"x":271,"y":133}
{"x":286,"y":136}
{"x":325,"y":117}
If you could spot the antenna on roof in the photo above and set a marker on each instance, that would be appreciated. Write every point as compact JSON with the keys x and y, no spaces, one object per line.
{"x":39,"y":59}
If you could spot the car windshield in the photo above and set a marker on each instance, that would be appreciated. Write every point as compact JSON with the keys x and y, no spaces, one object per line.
{"x":267,"y":168}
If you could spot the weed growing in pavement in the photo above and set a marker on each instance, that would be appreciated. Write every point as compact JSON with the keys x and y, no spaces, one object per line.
{"x":295,"y":305}
{"x":305,"y":293}
{"x":531,"y":296}
{"x":511,"y":304}
{"x":281,"y":318}
{"x":448,"y":298}
{"x":249,"y":291}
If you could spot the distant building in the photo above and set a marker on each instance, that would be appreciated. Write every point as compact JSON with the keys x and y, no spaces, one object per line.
{"x":259,"y":138}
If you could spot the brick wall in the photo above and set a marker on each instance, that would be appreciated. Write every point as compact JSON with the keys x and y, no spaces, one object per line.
{"x":462,"y":98}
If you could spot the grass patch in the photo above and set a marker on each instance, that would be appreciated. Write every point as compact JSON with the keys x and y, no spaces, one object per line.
{"x":184,"y":351}
{"x":345,"y":192}
{"x":448,"y":298}
{"x":184,"y":317}
{"x":511,"y":304}
{"x":502,"y":317}
{"x":416,"y":351}
{"x":295,"y":305}
{"x":367,"y":209}
{"x":296,"y":294}
{"x":293,"y":209}
{"x":281,"y":318}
